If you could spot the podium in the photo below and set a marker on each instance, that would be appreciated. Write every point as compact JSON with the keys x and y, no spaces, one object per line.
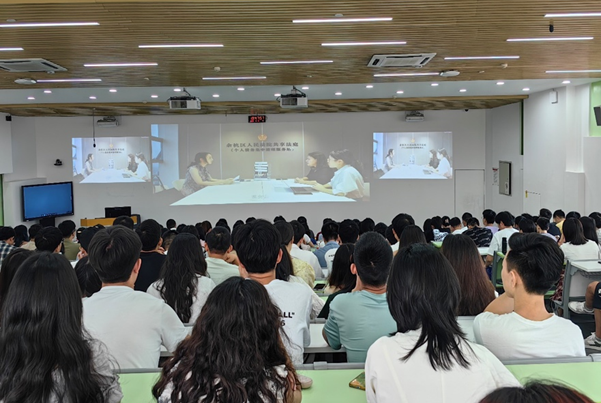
{"x":90,"y":222}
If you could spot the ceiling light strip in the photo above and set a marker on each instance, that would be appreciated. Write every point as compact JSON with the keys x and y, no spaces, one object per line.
{"x":71,"y":80}
{"x":571,"y":71}
{"x":299,"y":62}
{"x":120,"y":64}
{"x":338,"y":20}
{"x":363,"y":43}
{"x":192,"y":45}
{"x":236,"y":78}
{"x":578,"y":38}
{"x":406,"y":74}
{"x":9,"y":49}
{"x":564,"y":15}
{"x":481,"y":57}
{"x":48,"y":24}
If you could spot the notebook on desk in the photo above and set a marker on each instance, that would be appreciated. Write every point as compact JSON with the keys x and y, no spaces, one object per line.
{"x":302,"y":191}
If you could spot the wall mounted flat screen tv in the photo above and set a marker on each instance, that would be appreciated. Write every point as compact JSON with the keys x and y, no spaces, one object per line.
{"x":47,"y":201}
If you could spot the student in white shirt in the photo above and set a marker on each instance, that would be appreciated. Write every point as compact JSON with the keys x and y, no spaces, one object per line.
{"x":444,"y":166}
{"x":505,"y":222}
{"x":218,"y":246}
{"x":304,"y":255}
{"x":517,"y":325}
{"x":456,"y":227}
{"x":234,"y":354}
{"x":389,"y":160}
{"x":132,"y":324}
{"x":142,"y":171}
{"x":428,"y":359}
{"x":347,"y":180}
{"x":258,"y":247}
{"x":183,"y":283}
{"x":488,"y":220}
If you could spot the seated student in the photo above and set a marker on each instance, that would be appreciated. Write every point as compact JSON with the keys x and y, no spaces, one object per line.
{"x":258,"y":247}
{"x":597,"y":218}
{"x":133,"y":325}
{"x":456,"y":226}
{"x":299,"y":268}
{"x":481,"y":236}
{"x":488,"y":220}
{"x":304,"y":255}
{"x":505,"y":222}
{"x":183,"y":283}
{"x":9,"y":267}
{"x":558,"y":218}
{"x":437,"y":229}
{"x":330,"y":236}
{"x":89,"y":282}
{"x":553,"y":229}
{"x":588,"y":229}
{"x":218,"y":246}
{"x":234,"y":354}
{"x":517,"y":325}
{"x":49,"y":239}
{"x":428,"y":359}
{"x":465,"y":217}
{"x":21,"y":236}
{"x":536,"y":392}
{"x":342,"y":280}
{"x":542,"y":227}
{"x":45,"y":353}
{"x":33,"y":232}
{"x":359,"y":318}
{"x":84,"y":241}
{"x":152,"y":254}
{"x":67,"y":229}
{"x":124,"y":220}
{"x":171,"y":225}
{"x":399,"y":223}
{"x":476,"y":289}
{"x":426,"y":228}
{"x":591,"y":305}
{"x":527,"y":226}
{"x":7,"y":241}
{"x":168,"y":237}
{"x":411,"y":234}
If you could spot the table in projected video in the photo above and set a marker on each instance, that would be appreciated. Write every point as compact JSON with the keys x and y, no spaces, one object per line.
{"x":253,"y":192}
{"x":111,"y":176}
{"x":411,"y":172}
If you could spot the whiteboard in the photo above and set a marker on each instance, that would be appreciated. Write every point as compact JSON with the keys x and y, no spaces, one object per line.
{"x":469,"y":192}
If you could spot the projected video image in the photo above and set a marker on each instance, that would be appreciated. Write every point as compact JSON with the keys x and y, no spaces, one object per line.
{"x":245,"y":164}
{"x":113,"y":160}
{"x":420,"y":155}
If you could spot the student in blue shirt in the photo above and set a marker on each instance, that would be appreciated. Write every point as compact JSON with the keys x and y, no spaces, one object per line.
{"x":330,"y":235}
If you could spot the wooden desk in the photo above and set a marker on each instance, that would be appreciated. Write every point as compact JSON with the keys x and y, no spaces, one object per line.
{"x":90,"y":222}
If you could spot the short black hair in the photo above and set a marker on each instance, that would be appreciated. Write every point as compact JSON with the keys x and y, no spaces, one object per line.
{"x":48,"y":239}
{"x":125,"y":221}
{"x":6,"y":233}
{"x":527,"y":226}
{"x":489,"y":215}
{"x":573,"y":214}
{"x":286,"y":231}
{"x":543,"y":223}
{"x":67,"y":228}
{"x":366,"y":225}
{"x":559,"y":214}
{"x":380,"y":228}
{"x":250,"y":219}
{"x":299,"y":231}
{"x":466,"y":216}
{"x":329,"y":231}
{"x":372,"y":257}
{"x":537,"y":259}
{"x":258,"y":246}
{"x":348,"y":231}
{"x":170,"y":223}
{"x":33,"y":231}
{"x":546,"y":213}
{"x":89,"y":282}
{"x":473,"y":222}
{"x":455,"y":222}
{"x":278,"y":218}
{"x":400,"y":222}
{"x":190,"y":229}
{"x":506,"y":218}
{"x":86,"y":237}
{"x":114,"y":252}
{"x":597,"y":218}
{"x":219,"y":240}
{"x":149,"y":232}
{"x":536,"y":391}
{"x":390,"y":236}
{"x":168,"y":237}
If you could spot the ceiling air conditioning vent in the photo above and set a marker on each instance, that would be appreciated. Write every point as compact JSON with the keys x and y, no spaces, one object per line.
{"x":413,"y":61}
{"x":29,"y":66}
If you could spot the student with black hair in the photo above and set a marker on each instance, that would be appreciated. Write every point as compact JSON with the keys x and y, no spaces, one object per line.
{"x":517,"y":325}
{"x":84,"y":240}
{"x":152,"y":254}
{"x":218,"y":244}
{"x":481,"y":236}
{"x":380,"y":228}
{"x":171,"y":224}
{"x":428,"y":358}
{"x":428,"y":231}
{"x":258,"y":248}
{"x":389,"y":235}
{"x":45,"y":352}
{"x":399,"y":223}
{"x":67,"y":229}
{"x":437,"y":229}
{"x":168,"y":237}
{"x":9,"y":267}
{"x":536,"y":391}
{"x":299,"y":253}
{"x":505,"y":221}
{"x":456,"y":227}
{"x":89,"y":282}
{"x":33,"y":232}
{"x":597,"y":218}
{"x":49,"y":239}
{"x":133,"y":325}
{"x":326,"y":253}
{"x":342,"y":280}
{"x":359,"y":318}
{"x":7,"y":241}
{"x":542,"y":227}
{"x":488,"y":220}
{"x":589,"y":230}
{"x":124,"y":220}
{"x":573,"y":214}
{"x":20,"y":235}
{"x":411,"y":234}
{"x":558,"y":218}
{"x":527,"y":226}
{"x":348,"y":231}
{"x":366,"y":225}
{"x":465,"y":217}
{"x":290,"y":265}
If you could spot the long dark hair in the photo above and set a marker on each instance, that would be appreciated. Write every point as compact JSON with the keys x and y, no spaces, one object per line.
{"x":444,"y":154}
{"x":233,"y":350}
{"x":348,"y":158}
{"x":573,"y":232}
{"x":321,"y":161}
{"x":10,"y":264}
{"x":142,"y":158}
{"x":179,"y":283}
{"x":589,"y":230}
{"x":434,"y":160}
{"x":410,"y":235}
{"x":285,"y":268}
{"x":43,"y":351}
{"x":415,"y":301}
{"x":536,"y":392}
{"x":21,"y":235}
{"x":476,"y":289}
{"x":428,"y":230}
{"x":89,"y":156}
{"x":390,"y":151}
{"x":341,"y":276}
{"x":199,"y":156}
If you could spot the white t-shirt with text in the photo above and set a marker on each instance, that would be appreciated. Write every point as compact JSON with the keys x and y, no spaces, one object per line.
{"x":497,"y":240}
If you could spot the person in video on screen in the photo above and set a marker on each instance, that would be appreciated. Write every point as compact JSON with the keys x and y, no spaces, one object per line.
{"x":434,"y":161}
{"x":347,"y":180}
{"x":320,"y":172}
{"x":388,"y":161}
{"x":89,"y":165}
{"x":444,"y":166}
{"x":142,"y":171}
{"x":198,"y":177}
{"x":132,"y":165}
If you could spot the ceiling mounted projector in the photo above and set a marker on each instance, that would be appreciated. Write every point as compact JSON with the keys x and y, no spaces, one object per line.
{"x":295,"y":100}
{"x":414,"y":116}
{"x":184,"y":102}
{"x":108,"y":121}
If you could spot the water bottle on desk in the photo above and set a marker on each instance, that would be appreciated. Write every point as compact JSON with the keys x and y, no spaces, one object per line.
{"x":504,"y":246}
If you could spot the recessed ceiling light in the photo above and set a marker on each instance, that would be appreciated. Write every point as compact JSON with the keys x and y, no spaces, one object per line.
{"x":240,"y":88}
{"x":572,"y":71}
{"x":191,"y":45}
{"x":526,"y":89}
{"x":47,"y":24}
{"x":112,"y":90}
{"x":566,"y":82}
{"x":369,"y":86}
{"x":177,"y":89}
{"x":154,"y":96}
{"x":9,"y":49}
{"x":400,"y":92}
{"x":47,"y":92}
{"x":480,"y":57}
{"x":31,"y":98}
{"x":327,"y":20}
{"x":552,"y":38}
{"x":406,"y":74}
{"x":463,"y":90}
{"x":562,"y":15}
{"x":299,"y":62}
{"x":120,"y":64}
{"x":434,"y":84}
{"x":500,"y":83}
{"x":71,"y":80}
{"x":215,"y":95}
{"x":363,"y":43}
{"x":92,"y":97}
{"x":277,"y":94}
{"x":236,"y":78}
{"x":338,"y":93}
{"x":304,"y":88}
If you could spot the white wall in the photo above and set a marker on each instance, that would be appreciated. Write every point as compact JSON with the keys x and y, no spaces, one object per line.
{"x":6,"y":157}
{"x":38,"y":142}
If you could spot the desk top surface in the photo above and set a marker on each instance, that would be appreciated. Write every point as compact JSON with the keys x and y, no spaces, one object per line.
{"x":411,"y":172}
{"x":110,"y":176}
{"x":590,"y":266}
